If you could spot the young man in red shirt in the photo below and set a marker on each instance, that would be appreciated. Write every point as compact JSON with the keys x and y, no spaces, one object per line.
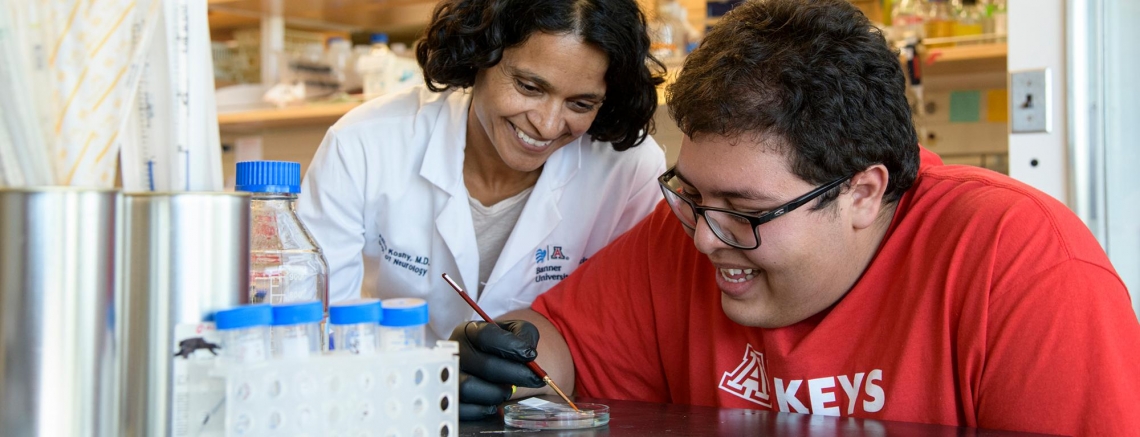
{"x":810,"y":257}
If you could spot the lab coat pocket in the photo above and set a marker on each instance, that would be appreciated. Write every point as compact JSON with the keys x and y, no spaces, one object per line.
{"x":403,"y":264}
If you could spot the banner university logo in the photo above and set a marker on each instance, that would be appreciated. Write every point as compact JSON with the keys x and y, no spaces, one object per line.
{"x":749,"y":380}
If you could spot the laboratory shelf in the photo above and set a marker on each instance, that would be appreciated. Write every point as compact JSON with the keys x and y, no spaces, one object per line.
{"x":973,"y":52}
{"x":399,"y":17}
{"x":314,"y":114}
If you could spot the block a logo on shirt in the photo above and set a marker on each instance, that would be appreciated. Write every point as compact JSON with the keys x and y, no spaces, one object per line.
{"x":749,"y":381}
{"x":556,"y":253}
{"x":544,"y":253}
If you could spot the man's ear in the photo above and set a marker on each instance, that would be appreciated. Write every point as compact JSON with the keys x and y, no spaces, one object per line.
{"x":866,"y":190}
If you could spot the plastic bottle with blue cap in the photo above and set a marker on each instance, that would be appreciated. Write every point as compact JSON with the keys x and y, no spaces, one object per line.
{"x":285,"y":264}
{"x":354,"y":325}
{"x":245,"y":333}
{"x":375,"y":67}
{"x":402,"y":324}
{"x":297,"y":329}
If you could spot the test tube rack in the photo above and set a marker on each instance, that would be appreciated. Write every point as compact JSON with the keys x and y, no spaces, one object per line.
{"x":412,"y":393}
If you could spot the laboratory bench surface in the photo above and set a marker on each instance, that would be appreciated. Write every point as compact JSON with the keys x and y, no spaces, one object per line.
{"x":628,"y":418}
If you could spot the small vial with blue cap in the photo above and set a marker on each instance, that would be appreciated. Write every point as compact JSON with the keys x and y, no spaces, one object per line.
{"x":354,"y":325}
{"x":297,"y":329}
{"x":245,"y":333}
{"x":285,"y":262}
{"x":402,"y":324}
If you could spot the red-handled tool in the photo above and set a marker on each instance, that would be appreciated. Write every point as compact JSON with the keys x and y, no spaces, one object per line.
{"x":532,"y":365}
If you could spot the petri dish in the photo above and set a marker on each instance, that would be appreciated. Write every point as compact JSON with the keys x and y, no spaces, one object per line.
{"x":556,"y":416}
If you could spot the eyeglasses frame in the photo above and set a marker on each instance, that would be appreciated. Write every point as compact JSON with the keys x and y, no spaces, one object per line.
{"x":754,"y":220}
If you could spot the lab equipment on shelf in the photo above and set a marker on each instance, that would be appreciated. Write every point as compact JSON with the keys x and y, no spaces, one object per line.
{"x":402,"y":323}
{"x":286,"y":264}
{"x":354,"y":325}
{"x":297,"y":329}
{"x":375,"y":67}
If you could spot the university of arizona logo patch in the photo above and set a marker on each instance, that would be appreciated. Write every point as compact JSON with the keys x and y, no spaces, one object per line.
{"x":749,"y":380}
{"x":556,"y":253}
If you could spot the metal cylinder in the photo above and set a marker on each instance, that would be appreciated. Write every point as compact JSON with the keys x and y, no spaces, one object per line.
{"x":184,"y":256}
{"x":57,"y":281}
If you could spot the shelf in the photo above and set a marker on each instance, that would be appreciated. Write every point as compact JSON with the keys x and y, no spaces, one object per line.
{"x":317,"y":114}
{"x":975,"y":52}
{"x":963,"y":59}
{"x":398,"y":17}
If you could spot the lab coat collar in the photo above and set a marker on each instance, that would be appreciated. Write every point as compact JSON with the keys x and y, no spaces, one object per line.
{"x":443,"y":159}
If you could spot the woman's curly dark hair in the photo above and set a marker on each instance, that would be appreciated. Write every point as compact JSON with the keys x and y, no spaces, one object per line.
{"x":466,"y":36}
{"x":815,"y":73}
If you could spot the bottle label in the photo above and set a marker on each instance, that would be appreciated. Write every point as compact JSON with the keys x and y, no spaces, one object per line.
{"x":358,"y":341}
{"x":294,"y":344}
{"x":199,"y":399}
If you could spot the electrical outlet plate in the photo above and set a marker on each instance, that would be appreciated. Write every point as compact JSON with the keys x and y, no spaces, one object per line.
{"x":1030,"y":101}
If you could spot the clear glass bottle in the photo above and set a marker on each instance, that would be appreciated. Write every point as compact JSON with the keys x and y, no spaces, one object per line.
{"x":375,"y":67}
{"x":245,"y":333}
{"x":996,"y":11}
{"x":906,"y":20}
{"x":938,"y":21}
{"x":970,"y":20}
{"x":662,"y":38}
{"x":402,"y":323}
{"x":354,"y":326}
{"x":297,"y":329}
{"x":285,"y":262}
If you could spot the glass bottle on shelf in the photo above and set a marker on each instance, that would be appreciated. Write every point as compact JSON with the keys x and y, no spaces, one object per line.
{"x":906,"y":20}
{"x":938,"y":21}
{"x":969,"y":21}
{"x":996,"y":11}
{"x":670,"y":31}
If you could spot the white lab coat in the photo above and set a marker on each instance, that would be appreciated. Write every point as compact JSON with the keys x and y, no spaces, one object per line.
{"x":387,"y":182}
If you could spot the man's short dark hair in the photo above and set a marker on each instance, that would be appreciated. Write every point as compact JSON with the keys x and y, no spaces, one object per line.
{"x":817,"y":76}
{"x":466,"y":36}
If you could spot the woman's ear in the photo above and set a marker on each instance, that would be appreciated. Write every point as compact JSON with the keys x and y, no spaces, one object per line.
{"x":866,"y":190}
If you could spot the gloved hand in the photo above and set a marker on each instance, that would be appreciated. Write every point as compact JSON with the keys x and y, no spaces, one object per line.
{"x":491,"y":360}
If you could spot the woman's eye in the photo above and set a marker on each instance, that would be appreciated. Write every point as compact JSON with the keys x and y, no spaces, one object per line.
{"x":525,"y":87}
{"x":583,"y":106}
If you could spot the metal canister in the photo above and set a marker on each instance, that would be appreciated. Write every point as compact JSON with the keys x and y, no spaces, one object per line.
{"x":184,"y":257}
{"x":57,"y":282}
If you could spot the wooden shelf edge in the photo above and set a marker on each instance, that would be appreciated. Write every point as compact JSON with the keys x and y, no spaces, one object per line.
{"x":294,"y":116}
{"x":966,"y":53}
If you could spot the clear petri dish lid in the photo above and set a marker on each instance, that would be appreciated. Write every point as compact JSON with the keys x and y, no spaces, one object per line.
{"x":556,"y":416}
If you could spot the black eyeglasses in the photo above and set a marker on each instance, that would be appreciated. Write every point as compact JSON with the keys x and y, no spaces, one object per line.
{"x":735,"y":229}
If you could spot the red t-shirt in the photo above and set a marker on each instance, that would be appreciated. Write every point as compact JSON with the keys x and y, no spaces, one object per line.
{"x":988,"y":305}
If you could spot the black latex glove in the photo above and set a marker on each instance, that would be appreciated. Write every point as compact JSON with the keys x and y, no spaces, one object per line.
{"x":491,"y":360}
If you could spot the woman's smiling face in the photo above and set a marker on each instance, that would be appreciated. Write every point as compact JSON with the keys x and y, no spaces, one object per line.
{"x":542,"y":95}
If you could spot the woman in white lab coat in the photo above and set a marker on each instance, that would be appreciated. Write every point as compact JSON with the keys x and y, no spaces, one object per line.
{"x":526,"y":153}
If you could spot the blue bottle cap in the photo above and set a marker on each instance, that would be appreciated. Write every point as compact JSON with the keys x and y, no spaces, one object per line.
{"x":408,"y":311}
{"x":245,"y":316}
{"x":268,"y":177}
{"x":355,"y":311}
{"x":379,"y":38}
{"x":295,"y":313}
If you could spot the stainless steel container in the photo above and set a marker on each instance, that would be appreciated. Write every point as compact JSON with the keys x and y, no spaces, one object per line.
{"x":184,"y":256}
{"x":57,"y":281}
